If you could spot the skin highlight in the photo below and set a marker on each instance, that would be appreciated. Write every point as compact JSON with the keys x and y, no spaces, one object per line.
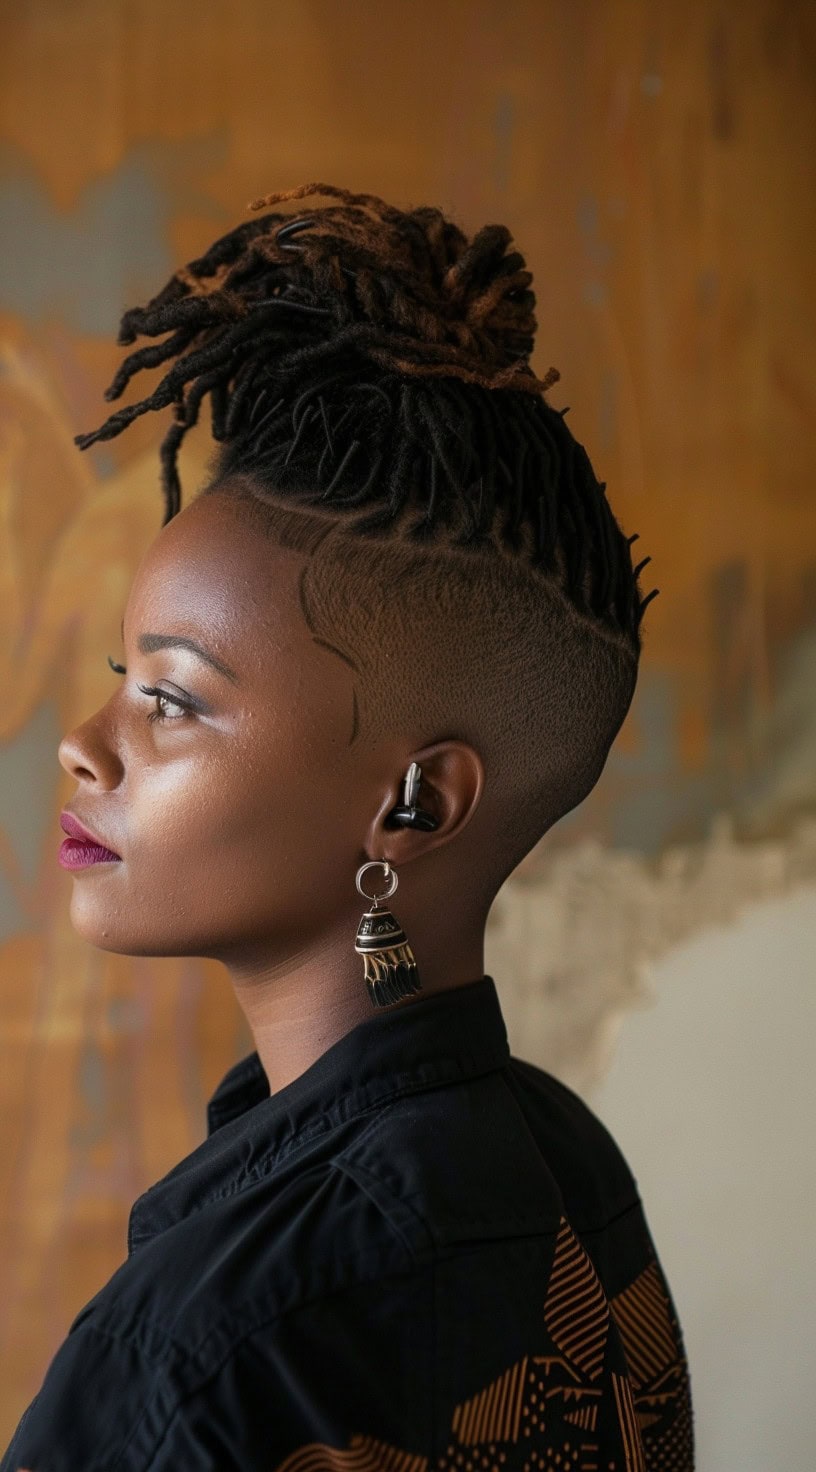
{"x":242,"y":805}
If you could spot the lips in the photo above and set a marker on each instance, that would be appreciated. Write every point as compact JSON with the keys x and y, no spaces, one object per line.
{"x":81,"y":848}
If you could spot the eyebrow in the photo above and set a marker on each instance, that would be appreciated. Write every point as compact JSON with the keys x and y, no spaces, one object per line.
{"x":150,"y":643}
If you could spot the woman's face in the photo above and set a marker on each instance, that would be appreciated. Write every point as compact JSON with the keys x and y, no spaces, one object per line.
{"x":229,"y":793}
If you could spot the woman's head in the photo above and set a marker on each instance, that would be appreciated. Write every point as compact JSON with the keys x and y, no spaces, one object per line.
{"x":403,"y":550}
{"x":227,"y":770}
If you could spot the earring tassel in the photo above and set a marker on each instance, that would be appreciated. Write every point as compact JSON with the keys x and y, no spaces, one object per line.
{"x":390,"y":965}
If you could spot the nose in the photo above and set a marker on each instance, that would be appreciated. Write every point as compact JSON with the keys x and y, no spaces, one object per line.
{"x":88,"y":755}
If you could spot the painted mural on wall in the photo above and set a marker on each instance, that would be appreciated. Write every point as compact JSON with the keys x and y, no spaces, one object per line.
{"x":679,"y":312}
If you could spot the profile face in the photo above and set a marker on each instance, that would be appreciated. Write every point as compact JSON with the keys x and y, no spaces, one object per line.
{"x":227,"y":793}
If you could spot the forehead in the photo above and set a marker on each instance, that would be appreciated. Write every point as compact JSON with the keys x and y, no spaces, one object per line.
{"x":213,"y":574}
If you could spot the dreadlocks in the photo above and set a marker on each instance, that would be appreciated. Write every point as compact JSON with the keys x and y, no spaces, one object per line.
{"x":372,"y":365}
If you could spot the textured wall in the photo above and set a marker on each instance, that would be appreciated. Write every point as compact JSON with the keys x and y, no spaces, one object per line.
{"x":654,"y":163}
{"x":712,"y":1094}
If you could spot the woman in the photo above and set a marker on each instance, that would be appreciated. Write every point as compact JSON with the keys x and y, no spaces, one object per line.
{"x":391,"y":643}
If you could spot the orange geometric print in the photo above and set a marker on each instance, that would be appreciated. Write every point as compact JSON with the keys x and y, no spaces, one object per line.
{"x":576,"y":1310}
{"x":627,"y":1420}
{"x":658,"y":1371}
{"x":495,"y":1413}
{"x":363,"y":1454}
{"x":553,"y":1402}
{"x":642,"y":1315}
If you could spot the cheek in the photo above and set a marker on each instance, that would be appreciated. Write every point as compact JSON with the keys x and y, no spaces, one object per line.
{"x":198,"y":850}
{"x":202,"y":815}
{"x":225,"y":840}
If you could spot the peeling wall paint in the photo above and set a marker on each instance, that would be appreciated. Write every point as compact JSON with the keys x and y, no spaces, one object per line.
{"x":573,"y":951}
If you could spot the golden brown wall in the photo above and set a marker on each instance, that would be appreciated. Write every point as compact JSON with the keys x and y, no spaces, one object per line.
{"x":654,"y":164}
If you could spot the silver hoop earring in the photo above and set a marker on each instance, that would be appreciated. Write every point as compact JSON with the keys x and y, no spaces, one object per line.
{"x":390,"y":969}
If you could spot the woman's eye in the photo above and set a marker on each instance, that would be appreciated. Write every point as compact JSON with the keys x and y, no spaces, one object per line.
{"x":168,"y":707}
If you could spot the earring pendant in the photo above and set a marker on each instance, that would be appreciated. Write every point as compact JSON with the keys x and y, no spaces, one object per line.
{"x":390,"y":969}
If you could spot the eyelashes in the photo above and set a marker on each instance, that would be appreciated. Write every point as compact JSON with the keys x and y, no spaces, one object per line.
{"x":181,"y":707}
{"x":168,"y":707}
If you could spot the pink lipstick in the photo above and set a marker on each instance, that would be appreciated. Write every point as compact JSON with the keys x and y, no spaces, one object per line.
{"x":81,"y":848}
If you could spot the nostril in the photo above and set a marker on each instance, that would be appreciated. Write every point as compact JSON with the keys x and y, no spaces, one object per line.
{"x":89,"y":753}
{"x":74,"y":760}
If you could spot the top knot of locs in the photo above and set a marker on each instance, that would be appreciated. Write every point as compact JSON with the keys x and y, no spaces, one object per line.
{"x":426,"y":300}
{"x":297,"y":326}
{"x":404,"y":288}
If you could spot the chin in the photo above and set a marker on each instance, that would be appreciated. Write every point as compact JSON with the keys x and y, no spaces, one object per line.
{"x":102,"y":926}
{"x":106,"y":915}
{"x":109,"y":927}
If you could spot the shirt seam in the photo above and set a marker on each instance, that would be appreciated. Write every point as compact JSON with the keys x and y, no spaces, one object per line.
{"x":130,"y":1338}
{"x":191,"y":1391}
{"x":610,"y":1221}
{"x":365,"y":1181}
{"x":630,"y":1182}
{"x":346,"y":1162}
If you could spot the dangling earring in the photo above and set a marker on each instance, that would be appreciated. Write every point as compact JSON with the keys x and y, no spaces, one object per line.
{"x":390,"y":966}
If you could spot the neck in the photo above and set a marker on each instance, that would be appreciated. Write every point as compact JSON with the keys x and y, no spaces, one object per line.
{"x":298,"y":1008}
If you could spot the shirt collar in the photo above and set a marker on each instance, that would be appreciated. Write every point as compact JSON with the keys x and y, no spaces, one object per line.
{"x":456,"y":1030}
{"x":443,"y":1038}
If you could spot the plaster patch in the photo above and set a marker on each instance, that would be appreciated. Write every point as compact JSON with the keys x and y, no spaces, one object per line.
{"x":572,"y":949}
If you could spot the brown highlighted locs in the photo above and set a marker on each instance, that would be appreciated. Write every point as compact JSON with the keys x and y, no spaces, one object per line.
{"x":374,"y":406}
{"x":290,"y":309}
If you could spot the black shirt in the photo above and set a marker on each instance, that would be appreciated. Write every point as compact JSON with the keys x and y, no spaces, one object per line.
{"x":422,"y":1255}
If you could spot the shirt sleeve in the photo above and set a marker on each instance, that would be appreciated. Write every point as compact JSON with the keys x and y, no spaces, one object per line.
{"x":96,"y":1394}
{"x":348,"y":1371}
{"x":347,"y":1377}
